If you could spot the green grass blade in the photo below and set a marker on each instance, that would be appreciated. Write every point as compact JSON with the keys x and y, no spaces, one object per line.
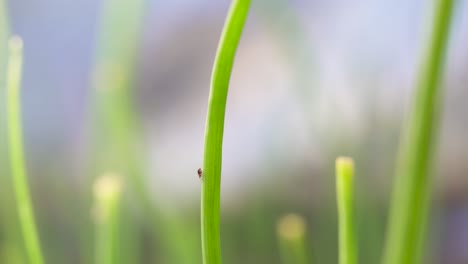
{"x":345,"y":198}
{"x":116,"y":122}
{"x":4,"y":32}
{"x":291,"y":232}
{"x":18,"y":168}
{"x":107,"y":195}
{"x":410,"y":204}
{"x":117,"y":145}
{"x":211,"y":180}
{"x":10,"y":248}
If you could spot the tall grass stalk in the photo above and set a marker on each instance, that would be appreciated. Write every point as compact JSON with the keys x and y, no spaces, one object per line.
{"x":115,"y":146}
{"x":291,"y":232}
{"x":107,"y":195}
{"x":118,"y":145}
{"x":345,"y":200}
{"x":10,"y":248}
{"x":18,"y":167}
{"x":4,"y":32}
{"x":411,"y":196}
{"x":211,"y":179}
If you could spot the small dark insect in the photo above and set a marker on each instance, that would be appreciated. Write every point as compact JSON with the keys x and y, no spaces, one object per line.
{"x":200,"y":173}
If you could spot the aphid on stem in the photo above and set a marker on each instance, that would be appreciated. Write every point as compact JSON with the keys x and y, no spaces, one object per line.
{"x":200,"y":173}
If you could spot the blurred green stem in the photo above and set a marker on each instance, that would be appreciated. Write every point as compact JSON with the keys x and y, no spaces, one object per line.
{"x":291,"y":232}
{"x":118,"y":145}
{"x":4,"y":31}
{"x":345,"y":198}
{"x":18,"y":167}
{"x":211,"y":179}
{"x":107,"y":194}
{"x":411,"y":195}
{"x":10,"y":245}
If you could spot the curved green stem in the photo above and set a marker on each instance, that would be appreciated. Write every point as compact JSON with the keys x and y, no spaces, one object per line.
{"x":211,"y":179}
{"x":345,"y":197}
{"x":410,"y":204}
{"x":18,"y":168}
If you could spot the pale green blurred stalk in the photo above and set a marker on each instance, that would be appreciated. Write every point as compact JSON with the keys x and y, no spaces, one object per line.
{"x":406,"y":234}
{"x":118,"y":144}
{"x":107,"y":198}
{"x":115,"y":119}
{"x":18,"y":166}
{"x":4,"y":32}
{"x":115,"y":126}
{"x":345,"y":201}
{"x":291,"y":232}
{"x":10,"y":251}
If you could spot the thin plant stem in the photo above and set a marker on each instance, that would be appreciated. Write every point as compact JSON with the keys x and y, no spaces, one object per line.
{"x":412,"y":190}
{"x":4,"y":33}
{"x":10,"y":248}
{"x":291,"y":232}
{"x":211,"y":178}
{"x":107,"y":195}
{"x":18,"y":167}
{"x":345,"y":199}
{"x":118,"y":146}
{"x":115,"y":146}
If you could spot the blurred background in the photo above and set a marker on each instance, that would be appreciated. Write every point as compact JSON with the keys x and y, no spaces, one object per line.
{"x":121,"y":86}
